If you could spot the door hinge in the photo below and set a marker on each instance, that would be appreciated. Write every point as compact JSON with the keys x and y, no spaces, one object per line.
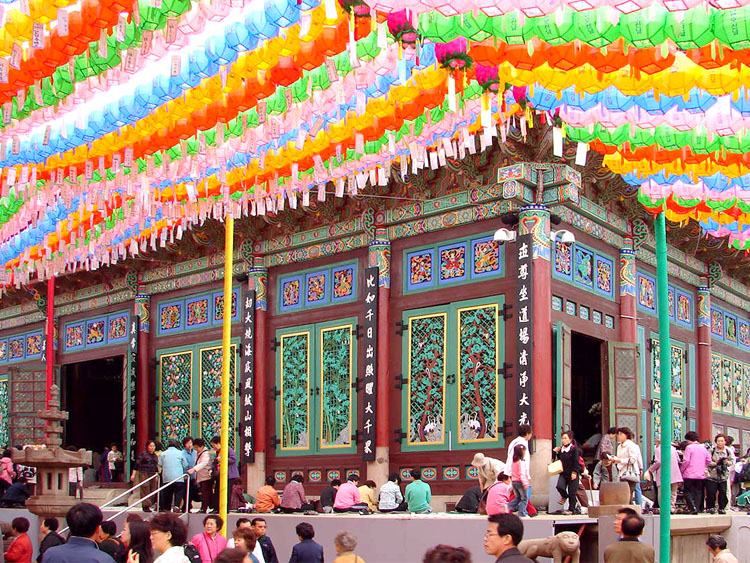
{"x":504,"y":429}
{"x":402,"y":328}
{"x":358,"y":331}
{"x":274,"y":392}
{"x":450,"y":379}
{"x":400,"y":381}
{"x":274,"y":441}
{"x":357,"y":384}
{"x":355,"y":436}
{"x":506,"y":312}
{"x":505,"y":370}
{"x":400,"y":435}
{"x":274,"y":344}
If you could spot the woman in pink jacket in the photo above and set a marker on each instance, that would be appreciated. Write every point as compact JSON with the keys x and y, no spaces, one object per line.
{"x":6,"y":471}
{"x":693,"y":470}
{"x":210,"y":542}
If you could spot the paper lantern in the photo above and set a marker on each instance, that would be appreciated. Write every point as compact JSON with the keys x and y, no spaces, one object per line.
{"x":401,"y":28}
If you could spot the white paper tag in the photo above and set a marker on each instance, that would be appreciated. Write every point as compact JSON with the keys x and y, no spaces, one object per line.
{"x":557,"y":141}
{"x":47,"y":131}
{"x":582,"y":150}
{"x":37,"y":36}
{"x":4,"y":70}
{"x":176,"y":66}
{"x":333,"y":73}
{"x":102,"y":47}
{"x":7,"y":111}
{"x":62,"y":23}
{"x":15,"y":56}
{"x":330,"y":7}
{"x":121,"y":28}
{"x":89,"y":170}
{"x":128,"y":157}
{"x":261,"y":112}
{"x":171,"y":32}
{"x":24,"y":7}
{"x":131,"y":60}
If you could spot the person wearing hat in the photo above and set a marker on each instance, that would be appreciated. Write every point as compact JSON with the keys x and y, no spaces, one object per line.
{"x":488,"y":468}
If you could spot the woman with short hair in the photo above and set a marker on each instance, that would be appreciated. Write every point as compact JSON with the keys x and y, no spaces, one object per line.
{"x":168,"y":535}
{"x":210,"y":542}
{"x":567,"y":482}
{"x":345,"y":544}
{"x":629,"y":459}
{"x":717,"y":475}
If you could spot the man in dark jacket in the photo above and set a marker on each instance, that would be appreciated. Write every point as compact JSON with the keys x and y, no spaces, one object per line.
{"x":469,"y":502}
{"x":84,"y":521}
{"x":16,"y":495}
{"x":328,"y":496}
{"x":48,"y":531}
{"x":504,"y":533}
{"x":266,"y":545}
{"x":307,"y":550}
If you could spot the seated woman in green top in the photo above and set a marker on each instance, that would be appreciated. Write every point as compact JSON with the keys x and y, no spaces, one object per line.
{"x":418,"y":494}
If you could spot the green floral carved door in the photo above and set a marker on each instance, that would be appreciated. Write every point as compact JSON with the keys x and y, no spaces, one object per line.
{"x":189,"y":384}
{"x":451,"y":357}
{"x":4,"y":410}
{"x":678,"y":375}
{"x":175,"y":394}
{"x":210,"y":370}
{"x":316,"y":367}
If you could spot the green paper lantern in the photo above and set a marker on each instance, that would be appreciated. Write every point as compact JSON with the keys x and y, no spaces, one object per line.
{"x":508,"y":29}
{"x":439,"y":28}
{"x":644,"y":30}
{"x":553,"y":32}
{"x":476,"y":26}
{"x":732,"y":27}
{"x":592,"y":27}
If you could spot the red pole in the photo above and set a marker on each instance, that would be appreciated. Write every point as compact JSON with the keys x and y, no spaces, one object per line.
{"x":50,"y":345}
{"x":703,"y":383}
{"x":628,"y":320}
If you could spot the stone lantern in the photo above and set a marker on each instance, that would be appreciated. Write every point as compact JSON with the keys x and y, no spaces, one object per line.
{"x":52,"y":497}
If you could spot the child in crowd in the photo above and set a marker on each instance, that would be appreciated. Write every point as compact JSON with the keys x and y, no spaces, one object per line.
{"x":520,"y":478}
{"x":498,"y":495}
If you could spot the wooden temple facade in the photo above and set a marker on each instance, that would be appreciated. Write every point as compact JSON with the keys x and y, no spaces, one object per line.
{"x":438,"y":353}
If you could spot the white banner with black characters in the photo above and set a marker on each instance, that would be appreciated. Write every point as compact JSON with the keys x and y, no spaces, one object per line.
{"x":525,"y":341}
{"x":247,"y":380}
{"x":370,"y":363}
{"x":130,"y":396}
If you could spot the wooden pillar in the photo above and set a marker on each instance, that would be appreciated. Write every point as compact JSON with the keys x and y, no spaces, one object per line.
{"x":142,"y":308}
{"x":628,"y":317}
{"x":535,"y":220}
{"x":380,"y":256}
{"x":258,"y":281}
{"x":703,"y":373}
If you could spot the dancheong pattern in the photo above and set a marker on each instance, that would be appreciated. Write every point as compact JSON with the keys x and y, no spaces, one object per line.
{"x":336,"y":381}
{"x":478,"y":357}
{"x":715,"y":382}
{"x":4,"y":401}
{"x":176,"y":374}
{"x":210,"y":377}
{"x":295,"y":381}
{"x":427,"y":379}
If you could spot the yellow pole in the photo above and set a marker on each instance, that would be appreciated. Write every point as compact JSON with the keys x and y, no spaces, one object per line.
{"x":226,"y":350}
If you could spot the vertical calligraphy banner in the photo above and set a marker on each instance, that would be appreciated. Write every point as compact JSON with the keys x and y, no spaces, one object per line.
{"x":370,"y":363}
{"x":130,"y":395}
{"x":247,"y":379}
{"x":525,"y":341}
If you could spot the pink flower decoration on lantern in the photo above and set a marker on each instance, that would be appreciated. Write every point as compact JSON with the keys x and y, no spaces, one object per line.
{"x":487,"y":77}
{"x":401,"y":28}
{"x":453,"y":55}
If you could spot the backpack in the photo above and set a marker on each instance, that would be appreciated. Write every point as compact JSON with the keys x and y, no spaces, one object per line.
{"x":744,"y":475}
{"x":191,"y":552}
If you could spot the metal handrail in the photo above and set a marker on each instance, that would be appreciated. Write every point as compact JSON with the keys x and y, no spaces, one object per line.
{"x":130,"y":490}
{"x":156,"y":492}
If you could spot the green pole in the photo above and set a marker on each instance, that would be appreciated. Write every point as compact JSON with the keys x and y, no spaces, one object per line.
{"x":665,"y":489}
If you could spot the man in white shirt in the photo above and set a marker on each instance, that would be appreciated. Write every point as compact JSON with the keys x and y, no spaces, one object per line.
{"x":258,"y":551}
{"x":524,"y":435}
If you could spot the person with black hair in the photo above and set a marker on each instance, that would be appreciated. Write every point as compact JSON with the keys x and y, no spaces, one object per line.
{"x":469,"y":501}
{"x":693,"y":468}
{"x":173,"y":464}
{"x":233,"y":473}
{"x":347,"y":497}
{"x":260,"y":527}
{"x":108,"y":541}
{"x":244,"y":525}
{"x":84,"y":521}
{"x":50,"y":537}
{"x":717,"y":545}
{"x":567,"y":481}
{"x":307,"y":550}
{"x":267,"y":498}
{"x":629,"y":460}
{"x":210,"y":542}
{"x":202,"y":471}
{"x":504,"y":533}
{"x":442,"y":553}
{"x":717,"y":475}
{"x":293,"y":498}
{"x":622,"y":513}
{"x":391,"y":499}
{"x":418,"y":494}
{"x":137,"y":535}
{"x":20,"y":549}
{"x":628,"y":549}
{"x":7,"y":471}
{"x":16,"y":495}
{"x":232,"y":555}
{"x":168,"y":536}
{"x":145,"y":467}
{"x":328,"y":496}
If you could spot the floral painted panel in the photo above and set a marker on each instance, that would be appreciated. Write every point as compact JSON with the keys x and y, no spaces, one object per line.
{"x":3,"y":350}
{"x":219,"y":306}
{"x":563,"y":259}
{"x":295,"y":386}
{"x":343,"y":282}
{"x":420,"y":268}
{"x":717,"y":323}
{"x":33,"y":344}
{"x":4,"y":412}
{"x":486,"y":254}
{"x":95,"y":332}
{"x":453,"y":263}
{"x":175,"y":394}
{"x":426,"y":369}
{"x":739,"y":407}
{"x":726,"y":385}
{"x":604,"y":276}
{"x":655,"y":366}
{"x":118,"y":328}
{"x":684,"y":308}
{"x":15,"y":348}
{"x":715,"y":382}
{"x":337,"y":373}
{"x":677,"y":371}
{"x":196,"y":312}
{"x":646,"y":293}
{"x":290,"y":293}
{"x":317,"y":286}
{"x":657,"y":417}
{"x":170,"y":316}
{"x":670,"y":302}
{"x":479,"y":333}
{"x":744,"y":334}
{"x":746,"y":391}
{"x":583,"y":261}
{"x":74,"y":336}
{"x":210,"y":369}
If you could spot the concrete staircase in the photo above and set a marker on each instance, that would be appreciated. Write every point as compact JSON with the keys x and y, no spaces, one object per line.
{"x":101,"y":493}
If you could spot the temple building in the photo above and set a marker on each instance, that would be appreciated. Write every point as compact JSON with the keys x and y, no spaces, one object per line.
{"x":400,"y":327}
